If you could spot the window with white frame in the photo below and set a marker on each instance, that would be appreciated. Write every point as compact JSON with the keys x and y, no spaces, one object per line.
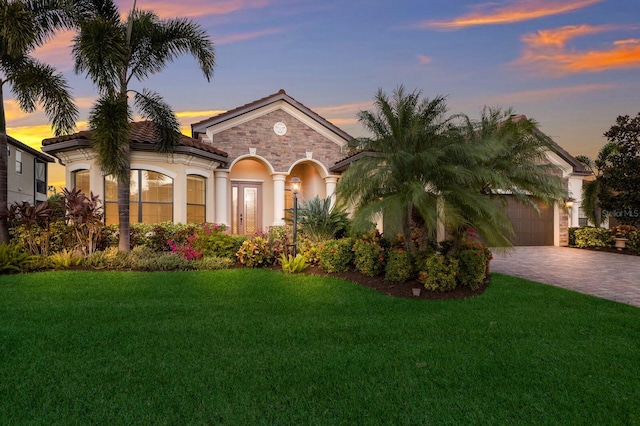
{"x":18,"y":161}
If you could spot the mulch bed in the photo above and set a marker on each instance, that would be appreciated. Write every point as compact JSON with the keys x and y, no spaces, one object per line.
{"x":399,"y":289}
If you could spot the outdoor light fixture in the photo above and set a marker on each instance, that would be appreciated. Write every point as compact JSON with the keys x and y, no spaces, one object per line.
{"x":570,"y":202}
{"x":296,"y":185}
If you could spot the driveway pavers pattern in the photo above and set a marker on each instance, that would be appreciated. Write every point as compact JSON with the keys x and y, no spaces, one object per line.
{"x":606,"y":275}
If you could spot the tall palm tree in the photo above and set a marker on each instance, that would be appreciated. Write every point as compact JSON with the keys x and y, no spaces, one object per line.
{"x":112,"y":52}
{"x":421,"y":164}
{"x":514,"y":160}
{"x":444,"y":167}
{"x":25,"y":25}
{"x":593,"y":190}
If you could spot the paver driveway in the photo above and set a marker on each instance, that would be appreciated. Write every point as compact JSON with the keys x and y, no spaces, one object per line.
{"x":607,"y":275}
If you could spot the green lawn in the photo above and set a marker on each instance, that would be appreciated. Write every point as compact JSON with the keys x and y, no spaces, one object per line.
{"x":259,"y":347}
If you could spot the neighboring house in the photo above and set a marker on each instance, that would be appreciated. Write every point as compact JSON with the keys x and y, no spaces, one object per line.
{"x":27,"y":173}
{"x":236,"y":170}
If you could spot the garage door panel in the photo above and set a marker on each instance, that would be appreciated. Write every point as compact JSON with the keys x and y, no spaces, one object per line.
{"x":531,"y":228}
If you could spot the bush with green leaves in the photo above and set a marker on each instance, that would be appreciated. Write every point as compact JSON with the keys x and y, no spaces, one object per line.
{"x":212,"y":263}
{"x":293,"y":265}
{"x":65,"y":259}
{"x":400,"y":265}
{"x":109,"y":258}
{"x":310,"y":250}
{"x":439,"y":273}
{"x":472,"y":267}
{"x":279,"y":237}
{"x":593,"y":237}
{"x":255,"y":253}
{"x":13,"y":259}
{"x":369,"y":255}
{"x":572,"y":236}
{"x":165,"y":262}
{"x":336,"y":255}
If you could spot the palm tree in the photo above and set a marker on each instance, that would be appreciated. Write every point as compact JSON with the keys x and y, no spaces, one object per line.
{"x":594,"y":189}
{"x":420,"y":165}
{"x":514,"y":160}
{"x":112,"y":52}
{"x":25,"y":25}
{"x":428,"y":165}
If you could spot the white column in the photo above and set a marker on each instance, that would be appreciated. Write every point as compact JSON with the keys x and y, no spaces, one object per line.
{"x":96,"y":181}
{"x":278,"y":198}
{"x":180,"y":198}
{"x":209,"y":196}
{"x":330,"y":183}
{"x":221,"y":198}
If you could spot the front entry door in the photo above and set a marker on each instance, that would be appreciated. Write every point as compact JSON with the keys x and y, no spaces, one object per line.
{"x":246,"y":205}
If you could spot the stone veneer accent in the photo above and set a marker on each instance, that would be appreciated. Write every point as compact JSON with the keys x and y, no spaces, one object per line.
{"x":280,"y":151}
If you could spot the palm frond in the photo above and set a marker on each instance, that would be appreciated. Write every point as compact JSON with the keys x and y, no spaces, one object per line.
{"x":109,"y":122}
{"x":152,"y":107}
{"x":36,"y":83}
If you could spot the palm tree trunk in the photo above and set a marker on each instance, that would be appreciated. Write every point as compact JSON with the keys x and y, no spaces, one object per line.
{"x":408,"y":241}
{"x":124,"y":239}
{"x":4,"y":191}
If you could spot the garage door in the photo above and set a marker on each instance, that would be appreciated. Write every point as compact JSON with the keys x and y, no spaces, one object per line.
{"x":531,"y":228}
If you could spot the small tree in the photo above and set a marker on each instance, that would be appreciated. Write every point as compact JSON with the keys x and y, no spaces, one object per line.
{"x":621,"y":175}
{"x":594,"y":190}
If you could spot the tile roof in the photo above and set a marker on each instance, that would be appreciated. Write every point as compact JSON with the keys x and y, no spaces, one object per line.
{"x":142,"y":132}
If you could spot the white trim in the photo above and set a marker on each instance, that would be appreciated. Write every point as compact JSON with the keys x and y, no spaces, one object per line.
{"x":261,"y":159}
{"x":246,"y":180}
{"x":324,"y":173}
{"x":198,"y":172}
{"x":153,"y":168}
{"x":79,"y":166}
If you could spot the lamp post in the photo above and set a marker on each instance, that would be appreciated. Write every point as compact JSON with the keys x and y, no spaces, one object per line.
{"x":569,"y":205}
{"x":296,"y":184}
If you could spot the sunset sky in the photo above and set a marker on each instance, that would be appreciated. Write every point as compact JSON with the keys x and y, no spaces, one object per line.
{"x":572,"y":65}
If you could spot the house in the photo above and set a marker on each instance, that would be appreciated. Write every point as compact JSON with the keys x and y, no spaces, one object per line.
{"x":27,"y":173}
{"x":237,"y":167}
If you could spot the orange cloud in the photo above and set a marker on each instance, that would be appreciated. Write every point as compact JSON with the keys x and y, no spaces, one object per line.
{"x":517,"y":11}
{"x":547,"y":51}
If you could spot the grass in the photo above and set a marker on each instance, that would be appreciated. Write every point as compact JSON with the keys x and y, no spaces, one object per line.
{"x":260,"y":347}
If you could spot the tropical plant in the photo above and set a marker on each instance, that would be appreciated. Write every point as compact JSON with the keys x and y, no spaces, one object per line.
{"x":112,"y":52}
{"x":13,"y":258}
{"x":31,"y":225}
{"x":255,"y":253}
{"x":422,"y":164}
{"x":65,"y":259}
{"x":84,"y":215}
{"x":293,"y":265}
{"x":369,"y":255}
{"x":400,"y":265}
{"x":25,"y":25}
{"x":594,"y":190}
{"x":321,"y":221}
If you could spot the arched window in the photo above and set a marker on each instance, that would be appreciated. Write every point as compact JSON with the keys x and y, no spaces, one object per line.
{"x":196,"y":201}
{"x":150,"y":198}
{"x":81,"y":181}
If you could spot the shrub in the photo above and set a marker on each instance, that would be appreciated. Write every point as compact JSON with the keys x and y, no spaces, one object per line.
{"x":593,"y":237}
{"x":472,"y":267}
{"x":255,"y":252}
{"x":279,"y":237}
{"x":400,"y":266}
{"x":65,"y":259}
{"x":369,"y":255}
{"x":310,"y":250}
{"x":293,"y":265}
{"x":212,"y":263}
{"x":336,"y":255}
{"x":164,"y":262}
{"x":13,"y":259}
{"x":110,"y":258}
{"x":439,"y":273}
{"x":633,"y":244}
{"x":572,"y":236}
